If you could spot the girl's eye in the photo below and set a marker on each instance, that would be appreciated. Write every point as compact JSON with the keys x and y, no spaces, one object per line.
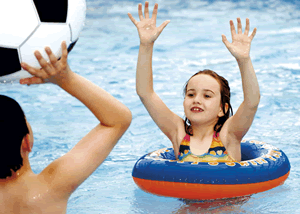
{"x":207,"y":96}
{"x":190,"y":95}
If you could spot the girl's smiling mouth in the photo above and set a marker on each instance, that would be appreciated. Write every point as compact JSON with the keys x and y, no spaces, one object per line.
{"x":196,"y":109}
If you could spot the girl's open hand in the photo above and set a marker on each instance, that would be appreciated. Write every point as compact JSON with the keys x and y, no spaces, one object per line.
{"x":241,"y":42}
{"x":55,"y":71}
{"x":147,"y":29}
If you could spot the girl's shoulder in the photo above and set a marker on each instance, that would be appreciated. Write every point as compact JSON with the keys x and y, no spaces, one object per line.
{"x":231,"y":144}
{"x":227,"y":137}
{"x":180,"y":134}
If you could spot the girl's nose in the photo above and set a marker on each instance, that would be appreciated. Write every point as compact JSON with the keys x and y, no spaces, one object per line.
{"x":197,"y":100}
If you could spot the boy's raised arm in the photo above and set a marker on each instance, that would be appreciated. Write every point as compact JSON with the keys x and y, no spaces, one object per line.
{"x":66,"y":173}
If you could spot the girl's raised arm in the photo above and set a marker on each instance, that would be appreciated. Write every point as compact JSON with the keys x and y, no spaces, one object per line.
{"x":166,"y":120}
{"x":237,"y":126}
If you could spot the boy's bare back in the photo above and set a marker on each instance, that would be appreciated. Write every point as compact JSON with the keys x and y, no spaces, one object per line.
{"x":30,"y":195}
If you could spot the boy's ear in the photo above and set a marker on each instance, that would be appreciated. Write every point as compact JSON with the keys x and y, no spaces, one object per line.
{"x":26,"y":145}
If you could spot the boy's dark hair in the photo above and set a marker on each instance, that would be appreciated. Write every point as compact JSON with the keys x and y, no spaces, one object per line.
{"x":225,"y":98}
{"x":13,"y":129}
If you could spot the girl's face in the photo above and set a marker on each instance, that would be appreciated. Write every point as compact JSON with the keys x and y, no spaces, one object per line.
{"x":202,"y":102}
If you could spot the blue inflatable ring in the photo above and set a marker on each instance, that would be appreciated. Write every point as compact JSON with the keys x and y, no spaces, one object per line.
{"x":263,"y":167}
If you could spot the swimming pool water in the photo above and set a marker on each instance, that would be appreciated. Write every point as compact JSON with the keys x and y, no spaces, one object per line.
{"x":107,"y":53}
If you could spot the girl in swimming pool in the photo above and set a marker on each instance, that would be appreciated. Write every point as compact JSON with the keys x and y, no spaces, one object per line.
{"x":208,"y":133}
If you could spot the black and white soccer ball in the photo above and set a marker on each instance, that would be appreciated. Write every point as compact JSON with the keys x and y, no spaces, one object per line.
{"x":29,"y":25}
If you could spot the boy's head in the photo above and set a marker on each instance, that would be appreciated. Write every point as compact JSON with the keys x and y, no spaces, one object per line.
{"x":13,"y":129}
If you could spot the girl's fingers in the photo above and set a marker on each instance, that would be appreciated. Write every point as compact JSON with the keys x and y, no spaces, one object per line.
{"x":253,"y":34}
{"x":247,"y":27}
{"x":232,"y":29}
{"x":239,"y":25}
{"x":140,"y":12}
{"x":154,"y":13}
{"x":132,"y":19}
{"x":146,"y":10}
{"x":163,"y":25}
{"x":225,"y":41}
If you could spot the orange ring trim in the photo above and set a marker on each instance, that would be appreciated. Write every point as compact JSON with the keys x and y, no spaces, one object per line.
{"x":206,"y":191}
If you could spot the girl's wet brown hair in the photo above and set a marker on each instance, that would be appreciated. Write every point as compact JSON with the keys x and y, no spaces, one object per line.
{"x":225,"y":98}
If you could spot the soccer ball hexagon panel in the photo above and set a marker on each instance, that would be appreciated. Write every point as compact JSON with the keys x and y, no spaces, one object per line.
{"x":44,"y":35}
{"x":31,"y":25}
{"x":17,"y":22}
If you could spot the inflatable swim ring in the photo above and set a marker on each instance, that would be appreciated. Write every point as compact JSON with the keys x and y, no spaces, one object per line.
{"x":263,"y":167}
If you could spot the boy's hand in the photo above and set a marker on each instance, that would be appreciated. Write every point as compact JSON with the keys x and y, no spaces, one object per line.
{"x":147,"y":29}
{"x":240,"y":46}
{"x":55,"y":71}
